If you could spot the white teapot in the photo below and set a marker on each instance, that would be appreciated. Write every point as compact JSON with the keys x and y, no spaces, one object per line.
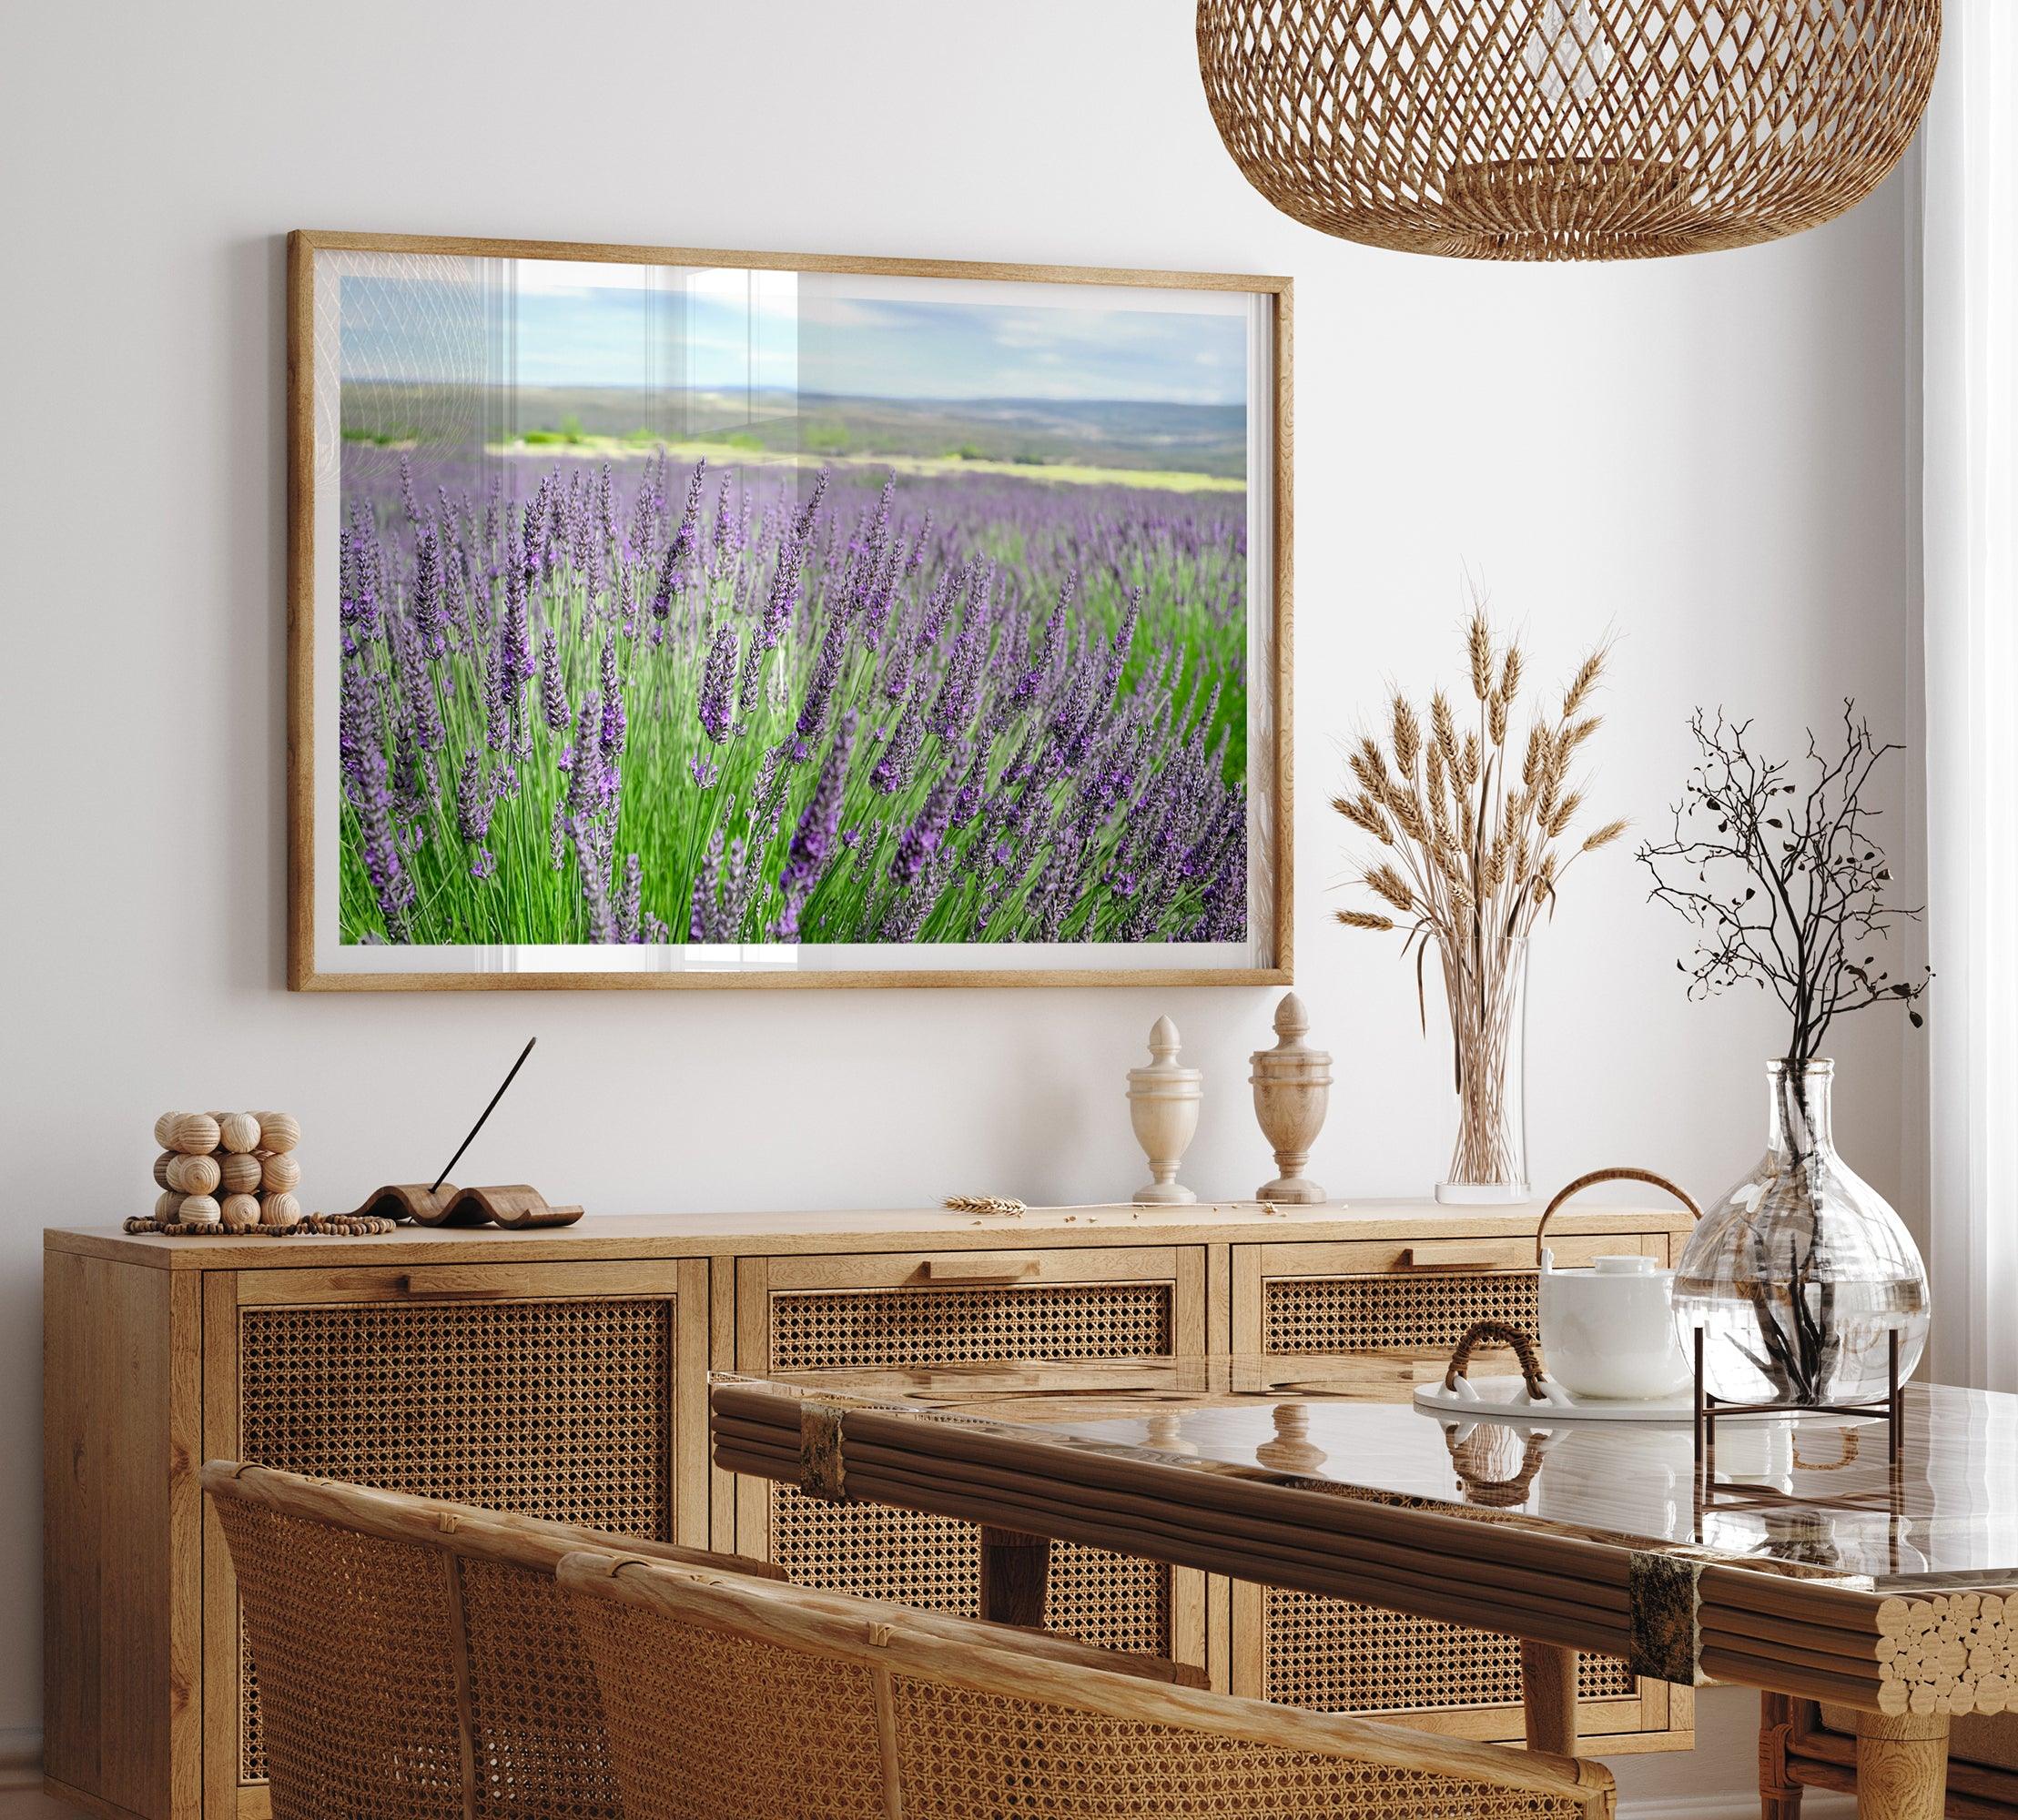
{"x":1609,"y":1332}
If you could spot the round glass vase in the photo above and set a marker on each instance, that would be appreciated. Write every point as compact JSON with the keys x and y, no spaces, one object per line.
{"x":1802,"y":1273}
{"x":1486,"y":993}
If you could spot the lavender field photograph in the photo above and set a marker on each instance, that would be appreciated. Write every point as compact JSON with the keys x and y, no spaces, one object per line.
{"x":746,"y":613}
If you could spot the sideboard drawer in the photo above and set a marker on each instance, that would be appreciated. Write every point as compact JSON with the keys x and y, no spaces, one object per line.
{"x":1405,"y":1305}
{"x":924,"y":1309}
{"x":572,"y":1390}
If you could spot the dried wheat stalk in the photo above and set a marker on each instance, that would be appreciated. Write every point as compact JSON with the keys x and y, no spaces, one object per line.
{"x":1476,"y":838}
{"x":1000,"y":1205}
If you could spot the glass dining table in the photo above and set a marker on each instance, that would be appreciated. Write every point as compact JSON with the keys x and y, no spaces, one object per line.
{"x":1804,"y":1557}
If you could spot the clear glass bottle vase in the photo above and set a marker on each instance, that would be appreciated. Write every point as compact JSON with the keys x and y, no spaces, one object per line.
{"x":1800,"y":1273}
{"x":1486,"y":992}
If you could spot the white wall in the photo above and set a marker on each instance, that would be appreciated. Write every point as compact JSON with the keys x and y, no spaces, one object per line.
{"x":1705,"y":457}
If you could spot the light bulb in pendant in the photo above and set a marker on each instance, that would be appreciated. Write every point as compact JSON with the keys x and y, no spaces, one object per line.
{"x":1565,"y":51}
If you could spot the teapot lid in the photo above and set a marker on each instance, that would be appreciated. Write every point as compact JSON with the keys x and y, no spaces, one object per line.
{"x":1624,"y":1265}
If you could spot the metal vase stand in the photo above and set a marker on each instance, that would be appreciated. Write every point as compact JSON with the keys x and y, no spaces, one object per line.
{"x":1710,"y":1492}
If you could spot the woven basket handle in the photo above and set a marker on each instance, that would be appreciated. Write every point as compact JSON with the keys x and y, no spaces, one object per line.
{"x":1591,"y":1181}
{"x":1496,"y":1493}
{"x":1525,"y":1349}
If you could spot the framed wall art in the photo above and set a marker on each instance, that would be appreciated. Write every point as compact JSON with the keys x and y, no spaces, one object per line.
{"x":669,"y":618}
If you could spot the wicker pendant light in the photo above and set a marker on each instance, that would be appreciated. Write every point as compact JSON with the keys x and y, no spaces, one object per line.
{"x":1566,"y":129}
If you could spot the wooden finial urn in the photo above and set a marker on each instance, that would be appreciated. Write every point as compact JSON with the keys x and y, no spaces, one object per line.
{"x":1292,"y":1090}
{"x":1162,"y":1105}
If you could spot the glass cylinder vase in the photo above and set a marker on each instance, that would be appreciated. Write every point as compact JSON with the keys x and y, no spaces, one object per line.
{"x":1486,"y":992}
{"x":1800,"y":1274}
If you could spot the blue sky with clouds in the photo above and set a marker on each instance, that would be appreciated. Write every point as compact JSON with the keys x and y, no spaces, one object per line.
{"x":639,"y":325}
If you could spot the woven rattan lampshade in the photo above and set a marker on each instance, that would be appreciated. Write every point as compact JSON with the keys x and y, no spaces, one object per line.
{"x":1566,"y":129}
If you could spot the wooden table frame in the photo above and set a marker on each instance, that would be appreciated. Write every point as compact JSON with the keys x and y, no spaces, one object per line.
{"x":1904,"y":1663}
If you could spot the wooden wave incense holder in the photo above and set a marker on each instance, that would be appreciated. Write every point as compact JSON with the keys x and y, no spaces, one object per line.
{"x":516,"y":1206}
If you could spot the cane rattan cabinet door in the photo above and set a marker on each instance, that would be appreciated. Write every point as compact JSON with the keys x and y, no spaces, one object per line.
{"x":1403,"y":1307}
{"x":797,"y":1313}
{"x":574,"y":1391}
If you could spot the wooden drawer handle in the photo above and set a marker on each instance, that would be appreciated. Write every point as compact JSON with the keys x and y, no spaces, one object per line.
{"x":1449,"y":1261}
{"x":420,"y":1291}
{"x":990,"y":1268}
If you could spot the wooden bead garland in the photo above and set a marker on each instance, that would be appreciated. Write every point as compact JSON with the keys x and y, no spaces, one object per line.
{"x":234,"y":1172}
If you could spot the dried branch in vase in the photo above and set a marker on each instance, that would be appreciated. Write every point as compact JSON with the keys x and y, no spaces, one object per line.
{"x":1802,"y":1276}
{"x":1477,"y":836}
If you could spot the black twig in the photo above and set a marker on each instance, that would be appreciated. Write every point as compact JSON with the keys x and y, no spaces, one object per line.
{"x":1788,"y":888}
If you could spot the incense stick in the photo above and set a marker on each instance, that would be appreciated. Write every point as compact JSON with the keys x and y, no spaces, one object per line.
{"x":485,"y":1114}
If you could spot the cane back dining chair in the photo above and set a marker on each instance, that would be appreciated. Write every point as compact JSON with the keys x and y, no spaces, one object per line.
{"x":415,"y":1659}
{"x":728,"y":1696}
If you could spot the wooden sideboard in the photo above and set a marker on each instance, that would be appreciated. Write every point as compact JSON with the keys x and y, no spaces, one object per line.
{"x":564,"y":1374}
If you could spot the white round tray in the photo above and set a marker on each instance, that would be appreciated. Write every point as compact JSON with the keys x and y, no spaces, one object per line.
{"x":1506,"y":1399}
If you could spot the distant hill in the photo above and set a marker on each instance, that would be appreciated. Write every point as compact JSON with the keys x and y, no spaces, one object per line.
{"x":1103,"y":433}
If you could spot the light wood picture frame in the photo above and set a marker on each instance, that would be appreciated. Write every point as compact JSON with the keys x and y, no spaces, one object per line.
{"x":677,"y":618}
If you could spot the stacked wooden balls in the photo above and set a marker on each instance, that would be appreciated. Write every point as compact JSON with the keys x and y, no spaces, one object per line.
{"x":236,"y":1169}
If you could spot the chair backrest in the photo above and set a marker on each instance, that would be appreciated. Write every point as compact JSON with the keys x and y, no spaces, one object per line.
{"x":732,"y":1696}
{"x":415,"y":1659}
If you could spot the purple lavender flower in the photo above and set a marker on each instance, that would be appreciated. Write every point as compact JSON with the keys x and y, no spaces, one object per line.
{"x":1046,"y":659}
{"x":361,"y":573}
{"x":427,"y":593}
{"x":819,"y":827}
{"x":717,"y":683}
{"x":554,"y":691}
{"x":893,"y":771}
{"x":973,"y":788}
{"x":827,"y":672}
{"x":484,"y":865}
{"x":417,"y":687}
{"x":961,"y":691}
{"x":472,"y":799}
{"x":785,"y":586}
{"x":590,"y":783}
{"x":681,"y":546}
{"x":609,"y":739}
{"x":724,"y":525}
{"x":630,"y":902}
{"x":923,"y":859}
{"x":591,"y":862}
{"x":497,"y":702}
{"x":923,"y":838}
{"x":366,"y":777}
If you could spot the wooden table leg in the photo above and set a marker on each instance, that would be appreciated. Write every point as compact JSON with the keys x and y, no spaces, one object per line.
{"x":1901,"y":1766}
{"x":1548,"y":1693}
{"x":1015,"y":1568}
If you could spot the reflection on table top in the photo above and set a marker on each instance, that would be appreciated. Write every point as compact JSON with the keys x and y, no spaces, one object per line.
{"x":1814,"y":1491}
